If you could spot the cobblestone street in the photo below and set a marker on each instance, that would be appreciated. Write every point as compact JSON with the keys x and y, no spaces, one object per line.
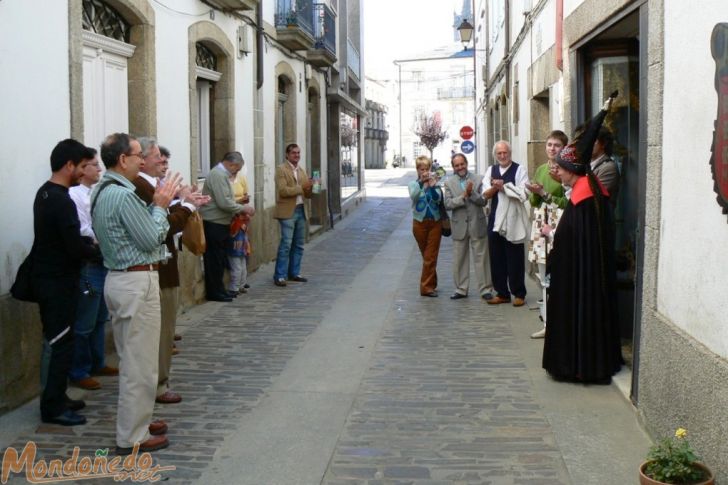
{"x":354,"y":378}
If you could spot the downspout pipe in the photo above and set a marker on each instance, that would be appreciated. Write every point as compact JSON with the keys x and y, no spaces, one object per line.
{"x":259,"y":45}
{"x":560,"y":35}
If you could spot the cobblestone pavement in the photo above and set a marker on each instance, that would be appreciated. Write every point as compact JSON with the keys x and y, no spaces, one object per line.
{"x":444,"y":396}
{"x":447,"y":399}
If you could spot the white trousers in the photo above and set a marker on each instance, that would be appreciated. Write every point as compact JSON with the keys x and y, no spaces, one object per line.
{"x":461,"y":264}
{"x":133,"y":301}
{"x":238,"y":272}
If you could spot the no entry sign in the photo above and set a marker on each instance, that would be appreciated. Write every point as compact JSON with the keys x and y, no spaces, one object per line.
{"x":466,"y":132}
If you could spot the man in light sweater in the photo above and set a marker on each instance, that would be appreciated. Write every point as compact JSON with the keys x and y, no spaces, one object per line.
{"x":216,"y":217}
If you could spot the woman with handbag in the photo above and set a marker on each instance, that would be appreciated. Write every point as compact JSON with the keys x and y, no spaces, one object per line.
{"x":428,"y":215}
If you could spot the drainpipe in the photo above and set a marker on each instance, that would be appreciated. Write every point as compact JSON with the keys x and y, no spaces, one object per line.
{"x":560,"y":35}
{"x":259,"y":45}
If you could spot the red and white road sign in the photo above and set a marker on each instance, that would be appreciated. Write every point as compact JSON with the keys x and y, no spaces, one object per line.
{"x":466,"y":132}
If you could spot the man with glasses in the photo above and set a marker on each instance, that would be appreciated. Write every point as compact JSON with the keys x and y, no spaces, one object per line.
{"x":131,"y":235}
{"x":154,"y":169}
{"x":89,"y":353}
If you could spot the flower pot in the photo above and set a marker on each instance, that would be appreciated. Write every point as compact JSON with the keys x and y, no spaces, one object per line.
{"x":645,"y":480}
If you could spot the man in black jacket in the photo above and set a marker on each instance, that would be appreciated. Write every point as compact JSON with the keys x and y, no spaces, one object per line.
{"x":58,"y":251}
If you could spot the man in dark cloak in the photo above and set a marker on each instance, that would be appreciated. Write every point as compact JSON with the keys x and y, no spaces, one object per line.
{"x":582,"y":338}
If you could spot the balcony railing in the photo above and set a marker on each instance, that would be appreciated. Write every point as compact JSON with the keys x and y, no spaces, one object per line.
{"x":455,"y":92}
{"x":324,"y":28}
{"x":352,"y":59}
{"x":298,"y":13}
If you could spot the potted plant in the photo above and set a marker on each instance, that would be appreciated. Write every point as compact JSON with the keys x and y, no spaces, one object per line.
{"x":673,"y":461}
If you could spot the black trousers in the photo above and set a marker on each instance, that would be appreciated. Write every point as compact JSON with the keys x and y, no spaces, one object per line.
{"x":215,"y":258}
{"x":58,"y":299}
{"x":507,"y":266}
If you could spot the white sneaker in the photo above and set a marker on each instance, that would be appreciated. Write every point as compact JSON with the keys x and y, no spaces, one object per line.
{"x":540,"y":334}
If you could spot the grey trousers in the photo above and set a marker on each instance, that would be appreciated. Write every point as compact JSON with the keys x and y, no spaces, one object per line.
{"x":461,"y":264}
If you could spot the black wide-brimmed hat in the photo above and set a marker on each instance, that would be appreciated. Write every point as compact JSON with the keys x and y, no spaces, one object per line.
{"x":576,"y":156}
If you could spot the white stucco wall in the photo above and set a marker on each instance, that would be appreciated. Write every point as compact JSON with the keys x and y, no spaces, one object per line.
{"x":34,"y":82}
{"x":692,"y":281}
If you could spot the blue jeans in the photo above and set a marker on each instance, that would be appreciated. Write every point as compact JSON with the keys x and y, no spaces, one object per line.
{"x":91,"y":317}
{"x":290,"y":249}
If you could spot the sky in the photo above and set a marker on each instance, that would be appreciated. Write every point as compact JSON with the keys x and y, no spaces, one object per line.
{"x":395,"y":29}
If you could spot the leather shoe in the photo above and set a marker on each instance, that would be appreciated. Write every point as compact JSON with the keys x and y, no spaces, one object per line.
{"x":88,"y":383}
{"x":152,"y":444}
{"x":177,"y":337}
{"x":106,"y":371}
{"x":246,"y":286}
{"x":432,"y":294}
{"x":280,"y":282}
{"x":74,"y":404}
{"x":175,"y":350}
{"x":497,"y":300}
{"x":66,"y":418}
{"x":221,"y":298}
{"x":487,"y":296}
{"x":519,"y":302}
{"x":157,"y":427}
{"x":169,"y":397}
{"x":457,"y":296}
{"x":232,"y":294}
{"x":298,"y":278}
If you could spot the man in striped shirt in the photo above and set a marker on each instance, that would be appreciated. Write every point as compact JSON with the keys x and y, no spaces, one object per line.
{"x":131,"y":236}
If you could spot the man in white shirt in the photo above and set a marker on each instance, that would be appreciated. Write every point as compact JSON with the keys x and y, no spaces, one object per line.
{"x":507,"y":259}
{"x":92,"y":314}
{"x":155,"y":167}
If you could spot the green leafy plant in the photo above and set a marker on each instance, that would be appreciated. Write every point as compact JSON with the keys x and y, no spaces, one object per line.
{"x":672,"y":460}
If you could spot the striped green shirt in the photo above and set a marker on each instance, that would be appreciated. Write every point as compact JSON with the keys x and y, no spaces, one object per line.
{"x":129,"y":232}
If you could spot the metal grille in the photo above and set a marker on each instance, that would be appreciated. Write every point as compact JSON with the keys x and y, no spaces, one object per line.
{"x":205,"y":57}
{"x":104,"y":20}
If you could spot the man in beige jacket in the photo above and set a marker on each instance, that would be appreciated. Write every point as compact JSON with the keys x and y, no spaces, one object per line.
{"x":292,"y":186}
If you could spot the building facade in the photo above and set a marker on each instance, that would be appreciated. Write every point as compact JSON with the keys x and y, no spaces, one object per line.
{"x":377,"y":123}
{"x":440,"y":81}
{"x":549,"y":64}
{"x":205,"y":78}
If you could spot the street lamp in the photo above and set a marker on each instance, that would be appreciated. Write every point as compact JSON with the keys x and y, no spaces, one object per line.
{"x":466,"y":33}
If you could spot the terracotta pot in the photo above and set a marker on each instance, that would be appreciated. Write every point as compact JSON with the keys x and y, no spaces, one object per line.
{"x":645,"y":480}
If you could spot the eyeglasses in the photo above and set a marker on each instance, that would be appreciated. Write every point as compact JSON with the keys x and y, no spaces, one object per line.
{"x":135,"y":155}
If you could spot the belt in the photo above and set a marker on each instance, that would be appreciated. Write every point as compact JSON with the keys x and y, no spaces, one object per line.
{"x":141,"y":267}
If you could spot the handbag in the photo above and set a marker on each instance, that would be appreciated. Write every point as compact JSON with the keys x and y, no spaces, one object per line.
{"x":193,"y":234}
{"x":445,"y":220}
{"x":22,"y":288}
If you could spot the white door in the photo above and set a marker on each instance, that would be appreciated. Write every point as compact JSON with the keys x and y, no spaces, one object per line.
{"x":105,"y":87}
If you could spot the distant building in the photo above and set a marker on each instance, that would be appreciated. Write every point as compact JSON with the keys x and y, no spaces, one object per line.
{"x":436,"y":81}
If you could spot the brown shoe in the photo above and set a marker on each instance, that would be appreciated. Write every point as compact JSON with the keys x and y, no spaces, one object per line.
{"x":88,"y":383}
{"x":519,"y":302}
{"x":169,"y":397}
{"x":106,"y":371}
{"x":175,"y":350}
{"x":497,"y":300}
{"x":177,"y":337}
{"x":157,"y":427}
{"x":152,"y":444}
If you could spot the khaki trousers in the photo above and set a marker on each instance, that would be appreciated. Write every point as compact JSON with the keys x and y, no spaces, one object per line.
{"x":133,"y":301}
{"x":168,"y":298}
{"x":428,"y":234}
{"x":461,"y":264}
